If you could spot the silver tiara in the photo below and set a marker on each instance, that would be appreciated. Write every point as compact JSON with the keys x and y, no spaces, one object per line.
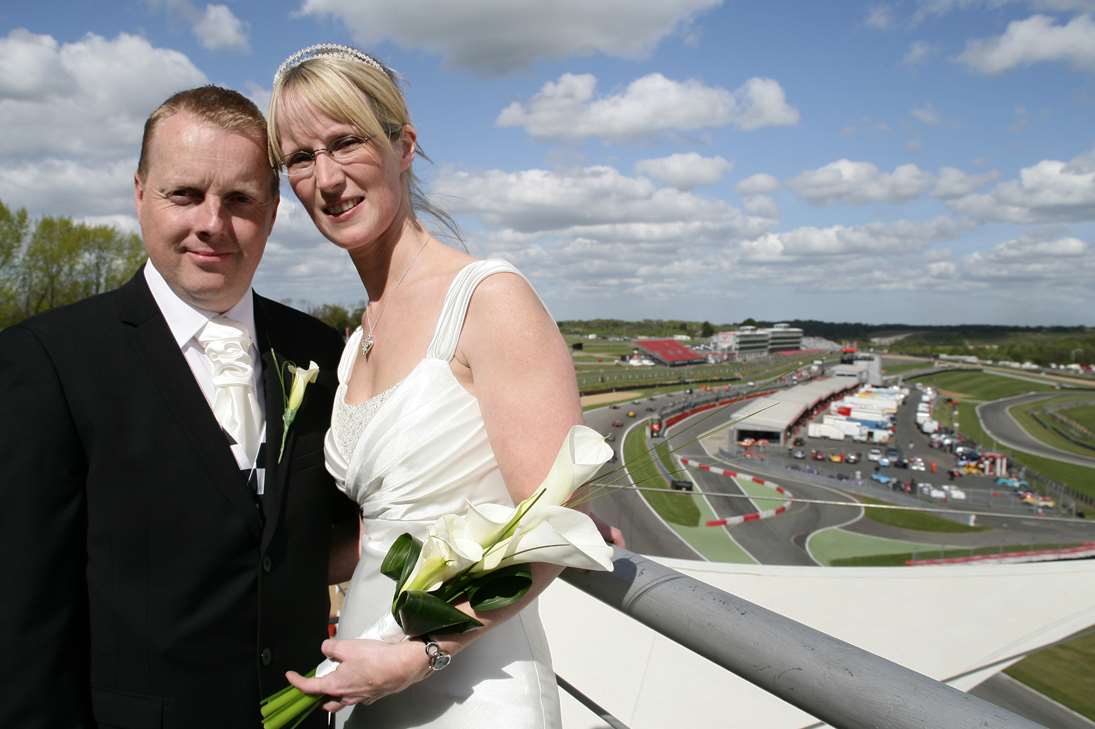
{"x":321,"y":50}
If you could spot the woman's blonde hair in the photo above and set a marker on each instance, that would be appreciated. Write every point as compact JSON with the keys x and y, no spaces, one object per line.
{"x":364,"y":95}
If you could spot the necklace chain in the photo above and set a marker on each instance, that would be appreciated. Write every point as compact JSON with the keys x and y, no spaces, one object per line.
{"x":369,"y":340}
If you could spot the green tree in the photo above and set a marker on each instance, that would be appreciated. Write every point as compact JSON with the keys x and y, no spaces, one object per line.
{"x":337,"y":317}
{"x":59,"y":262}
{"x":13,"y":232}
{"x":706,"y":330}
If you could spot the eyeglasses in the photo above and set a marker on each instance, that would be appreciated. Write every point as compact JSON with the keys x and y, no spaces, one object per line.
{"x":343,"y":150}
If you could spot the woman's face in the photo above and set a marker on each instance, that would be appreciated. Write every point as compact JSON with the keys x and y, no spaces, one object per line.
{"x":358,"y":201}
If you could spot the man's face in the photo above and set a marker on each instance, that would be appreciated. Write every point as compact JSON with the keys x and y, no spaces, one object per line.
{"x":205,"y":209}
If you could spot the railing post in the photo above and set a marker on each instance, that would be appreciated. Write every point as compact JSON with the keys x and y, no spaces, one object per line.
{"x":844,"y":686}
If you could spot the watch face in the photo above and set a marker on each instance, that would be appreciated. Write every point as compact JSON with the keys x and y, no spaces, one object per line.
{"x":440,"y":660}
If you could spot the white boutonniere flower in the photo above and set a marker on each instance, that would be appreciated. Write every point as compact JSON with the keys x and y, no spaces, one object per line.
{"x":301,"y":378}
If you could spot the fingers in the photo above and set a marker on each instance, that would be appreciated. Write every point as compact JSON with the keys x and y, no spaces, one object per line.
{"x":314,"y":686}
{"x":333,"y":649}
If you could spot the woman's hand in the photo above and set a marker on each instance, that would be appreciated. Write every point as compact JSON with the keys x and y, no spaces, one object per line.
{"x":368,"y":670}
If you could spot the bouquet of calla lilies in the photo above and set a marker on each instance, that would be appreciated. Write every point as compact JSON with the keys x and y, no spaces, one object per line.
{"x":481,"y":557}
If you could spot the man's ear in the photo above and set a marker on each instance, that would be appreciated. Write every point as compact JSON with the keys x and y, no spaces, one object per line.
{"x":138,"y":191}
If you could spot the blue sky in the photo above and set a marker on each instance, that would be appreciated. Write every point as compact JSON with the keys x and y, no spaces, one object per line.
{"x":924,"y":161}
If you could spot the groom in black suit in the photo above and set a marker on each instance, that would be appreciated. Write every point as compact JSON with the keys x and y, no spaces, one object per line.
{"x":161,"y":566}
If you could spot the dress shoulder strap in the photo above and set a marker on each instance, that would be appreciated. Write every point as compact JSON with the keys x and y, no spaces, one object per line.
{"x":450,"y":323}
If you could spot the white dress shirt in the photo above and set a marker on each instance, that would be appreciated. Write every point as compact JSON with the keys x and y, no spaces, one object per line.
{"x":185,"y":321}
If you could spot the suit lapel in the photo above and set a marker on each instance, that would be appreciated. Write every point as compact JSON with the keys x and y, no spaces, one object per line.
{"x":168,"y":368}
{"x":270,"y":346}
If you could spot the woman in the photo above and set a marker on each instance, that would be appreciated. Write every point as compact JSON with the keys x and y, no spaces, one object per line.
{"x":456,"y":386}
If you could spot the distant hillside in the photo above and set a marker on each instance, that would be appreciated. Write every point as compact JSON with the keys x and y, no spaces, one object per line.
{"x":1041,"y":345}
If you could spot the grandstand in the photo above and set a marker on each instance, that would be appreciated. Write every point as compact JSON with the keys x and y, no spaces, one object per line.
{"x":668,"y":352}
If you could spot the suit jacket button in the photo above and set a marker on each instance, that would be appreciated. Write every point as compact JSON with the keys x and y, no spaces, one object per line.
{"x":267,"y":564}
{"x":266,"y":656}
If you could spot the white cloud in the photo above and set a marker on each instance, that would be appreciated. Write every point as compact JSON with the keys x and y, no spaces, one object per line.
{"x":685,"y":171}
{"x":1035,"y":40}
{"x":596,"y":232}
{"x":952,"y":182}
{"x":762,"y":206}
{"x":880,"y":17}
{"x":218,"y":29}
{"x":860,"y":182}
{"x":498,"y":36}
{"x":1063,"y":263}
{"x":882,"y":239}
{"x":928,"y":9}
{"x":758,"y":184}
{"x":87,"y":98}
{"x":653,"y":104}
{"x":1049,"y":191}
{"x":594,"y":200}
{"x":919,"y":52}
{"x":69,"y":187}
{"x":215,"y":26}
{"x":927,"y":114}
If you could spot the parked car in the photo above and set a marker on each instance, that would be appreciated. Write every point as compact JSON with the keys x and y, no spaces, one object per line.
{"x":954,"y":492}
{"x":884,"y":462}
{"x":617,"y":423}
{"x":836,"y":457}
{"x":817,"y":455}
{"x":893,"y":454}
{"x":881,"y":478}
{"x":630,"y":413}
{"x":917,"y":464}
{"x":874,"y":454}
{"x":799,"y":454}
{"x":852,"y":457}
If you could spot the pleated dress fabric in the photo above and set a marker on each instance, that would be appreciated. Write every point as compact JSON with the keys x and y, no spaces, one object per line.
{"x":422,"y":452}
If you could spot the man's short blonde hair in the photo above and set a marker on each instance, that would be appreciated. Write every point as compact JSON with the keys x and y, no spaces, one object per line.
{"x":220,"y":107}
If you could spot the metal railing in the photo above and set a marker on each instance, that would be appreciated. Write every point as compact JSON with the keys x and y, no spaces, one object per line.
{"x":844,"y":686}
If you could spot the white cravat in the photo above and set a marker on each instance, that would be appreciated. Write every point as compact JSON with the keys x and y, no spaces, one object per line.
{"x":228,"y":347}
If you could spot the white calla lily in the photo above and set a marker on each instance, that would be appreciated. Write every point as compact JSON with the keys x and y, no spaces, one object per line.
{"x":560,"y":536}
{"x":301,"y":379}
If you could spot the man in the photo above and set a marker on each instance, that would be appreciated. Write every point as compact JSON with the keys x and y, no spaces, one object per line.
{"x":162,"y":567}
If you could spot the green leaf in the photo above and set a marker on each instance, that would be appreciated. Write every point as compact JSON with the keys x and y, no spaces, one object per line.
{"x":422,"y":612}
{"x":400,"y":559}
{"x":500,"y":588}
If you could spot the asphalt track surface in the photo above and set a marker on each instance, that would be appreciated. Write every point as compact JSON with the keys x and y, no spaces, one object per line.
{"x":999,"y":424}
{"x":781,"y":539}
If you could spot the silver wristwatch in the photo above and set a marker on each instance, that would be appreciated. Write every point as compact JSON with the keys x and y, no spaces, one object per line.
{"x":437,"y":656}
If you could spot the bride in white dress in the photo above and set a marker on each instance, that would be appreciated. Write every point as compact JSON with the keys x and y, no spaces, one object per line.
{"x":457,"y":387}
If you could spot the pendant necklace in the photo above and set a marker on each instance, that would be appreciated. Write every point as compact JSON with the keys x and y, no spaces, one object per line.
{"x":369,"y":340}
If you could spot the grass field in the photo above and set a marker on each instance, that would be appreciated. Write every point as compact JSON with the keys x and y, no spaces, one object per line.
{"x":982,"y":386}
{"x":917,"y":520}
{"x":1078,"y":477}
{"x":1065,"y":673}
{"x":896,"y":367}
{"x":832,"y":546}
{"x":673,"y":507}
{"x":688,"y":513}
{"x":897,"y":559}
{"x":1028,"y":416}
{"x":1084,"y":415}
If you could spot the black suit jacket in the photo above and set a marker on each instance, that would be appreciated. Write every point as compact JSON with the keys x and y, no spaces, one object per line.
{"x":144,"y":589}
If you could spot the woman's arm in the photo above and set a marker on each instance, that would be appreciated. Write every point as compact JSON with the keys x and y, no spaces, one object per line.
{"x":522,"y":375}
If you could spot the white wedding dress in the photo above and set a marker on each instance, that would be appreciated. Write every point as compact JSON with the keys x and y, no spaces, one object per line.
{"x":408,"y":456}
